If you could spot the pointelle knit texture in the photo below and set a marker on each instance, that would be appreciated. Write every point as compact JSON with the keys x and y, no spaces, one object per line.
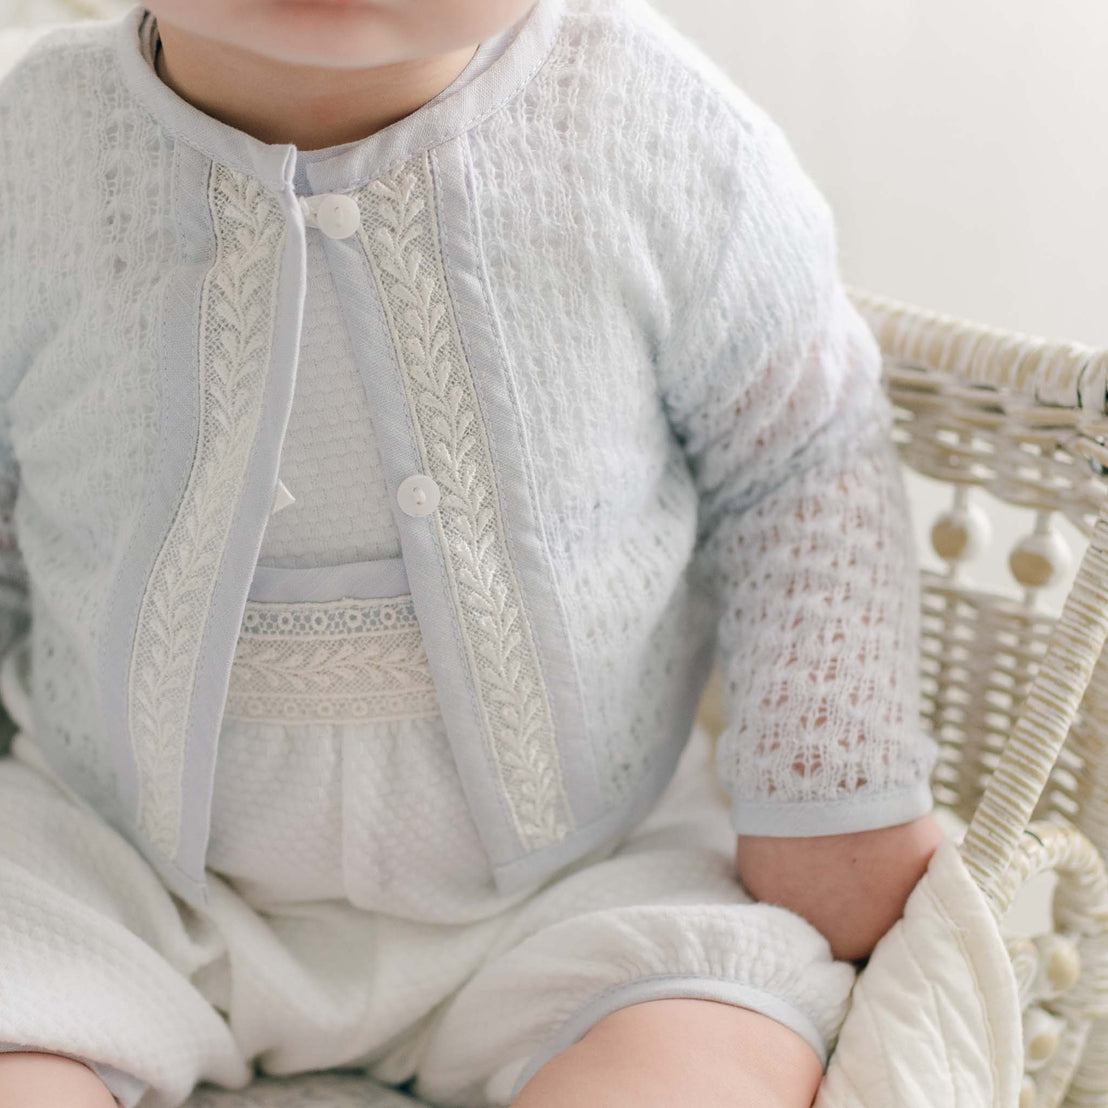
{"x":804,"y":521}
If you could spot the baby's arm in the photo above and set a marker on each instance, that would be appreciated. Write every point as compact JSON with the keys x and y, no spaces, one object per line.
{"x":823,"y":753}
{"x":28,"y":1078}
{"x":850,"y":887}
{"x":823,"y":699}
{"x":772,"y":384}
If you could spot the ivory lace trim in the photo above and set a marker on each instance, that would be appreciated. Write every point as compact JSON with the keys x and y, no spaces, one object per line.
{"x":236,"y":315}
{"x":336,"y":661}
{"x":401,"y":237}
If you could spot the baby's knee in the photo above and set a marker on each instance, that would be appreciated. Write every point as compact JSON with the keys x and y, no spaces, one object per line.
{"x":665,"y":1052}
{"x":35,"y":1079}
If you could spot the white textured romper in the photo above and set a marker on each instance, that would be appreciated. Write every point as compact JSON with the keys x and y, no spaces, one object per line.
{"x":354,"y":921}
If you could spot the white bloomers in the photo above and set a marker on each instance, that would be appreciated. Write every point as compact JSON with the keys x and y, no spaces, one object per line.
{"x":99,"y":961}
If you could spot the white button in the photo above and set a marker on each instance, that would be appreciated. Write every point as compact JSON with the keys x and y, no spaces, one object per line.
{"x":418,"y":495}
{"x":337,"y":216}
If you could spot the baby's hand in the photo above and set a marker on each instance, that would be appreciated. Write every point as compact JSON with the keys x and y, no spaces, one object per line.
{"x":851,"y":888}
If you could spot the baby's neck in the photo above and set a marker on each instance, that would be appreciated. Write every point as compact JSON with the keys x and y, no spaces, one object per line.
{"x":309,"y":106}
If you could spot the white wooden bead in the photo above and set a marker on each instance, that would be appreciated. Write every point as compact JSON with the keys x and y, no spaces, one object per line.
{"x":1028,"y":1093}
{"x":1041,"y":1034}
{"x":1040,"y":559}
{"x":961,"y":533}
{"x":1059,"y":964}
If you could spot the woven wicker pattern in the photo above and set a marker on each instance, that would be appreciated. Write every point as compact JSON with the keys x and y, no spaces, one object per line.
{"x":1017,"y":696}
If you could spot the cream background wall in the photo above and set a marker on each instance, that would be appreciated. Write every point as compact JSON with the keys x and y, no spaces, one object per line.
{"x":962,"y":142}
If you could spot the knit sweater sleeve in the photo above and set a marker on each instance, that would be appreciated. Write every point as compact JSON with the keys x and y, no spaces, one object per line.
{"x":771,"y":382}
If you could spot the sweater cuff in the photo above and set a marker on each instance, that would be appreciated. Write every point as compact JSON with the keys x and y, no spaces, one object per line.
{"x":808,"y":818}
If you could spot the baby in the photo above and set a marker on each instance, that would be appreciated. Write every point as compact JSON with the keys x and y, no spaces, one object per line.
{"x":404,"y":402}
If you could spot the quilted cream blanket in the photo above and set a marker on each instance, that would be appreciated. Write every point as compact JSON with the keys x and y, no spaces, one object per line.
{"x":935,"y":1017}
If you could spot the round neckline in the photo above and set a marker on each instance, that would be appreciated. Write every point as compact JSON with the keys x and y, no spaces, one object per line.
{"x":151,"y":47}
{"x":347,"y":166}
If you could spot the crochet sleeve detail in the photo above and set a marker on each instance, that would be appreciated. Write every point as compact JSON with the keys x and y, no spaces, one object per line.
{"x":772,"y":384}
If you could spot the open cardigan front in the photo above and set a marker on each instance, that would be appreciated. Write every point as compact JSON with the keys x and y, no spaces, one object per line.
{"x":626,"y":416}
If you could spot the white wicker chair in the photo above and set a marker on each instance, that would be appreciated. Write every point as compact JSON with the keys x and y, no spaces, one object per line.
{"x":1017,"y":697}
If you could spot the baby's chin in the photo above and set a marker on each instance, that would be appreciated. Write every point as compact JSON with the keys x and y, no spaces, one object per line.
{"x":306,"y":33}
{"x":349,"y":16}
{"x":340,"y":34}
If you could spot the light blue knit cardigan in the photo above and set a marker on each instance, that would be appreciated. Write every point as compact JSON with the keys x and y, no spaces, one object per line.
{"x":596,"y":308}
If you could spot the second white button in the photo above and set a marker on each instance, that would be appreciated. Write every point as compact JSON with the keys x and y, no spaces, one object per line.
{"x":418,"y":495}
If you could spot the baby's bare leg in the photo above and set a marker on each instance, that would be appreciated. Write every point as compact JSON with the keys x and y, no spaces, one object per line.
{"x":36,"y":1079}
{"x":662,"y":1053}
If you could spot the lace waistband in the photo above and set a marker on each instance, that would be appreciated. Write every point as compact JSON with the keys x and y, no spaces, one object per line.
{"x":340,"y":661}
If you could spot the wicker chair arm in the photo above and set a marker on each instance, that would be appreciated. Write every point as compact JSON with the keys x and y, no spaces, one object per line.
{"x":1045,"y":372}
